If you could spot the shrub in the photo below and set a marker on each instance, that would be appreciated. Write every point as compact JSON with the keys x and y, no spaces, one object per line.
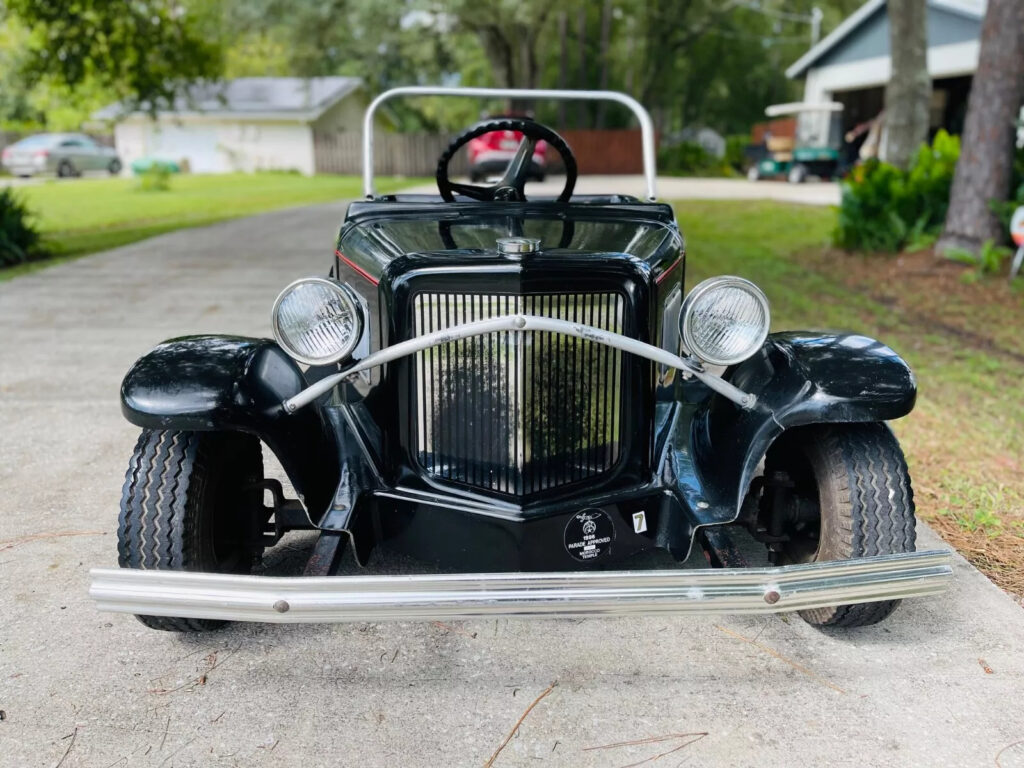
{"x":1004,"y":208}
{"x":19,"y":239}
{"x":987,"y":261}
{"x":155,"y":178}
{"x":885,"y":209}
{"x":867,"y":216}
{"x":690,"y":159}
{"x":929,"y":181}
{"x":736,"y":151}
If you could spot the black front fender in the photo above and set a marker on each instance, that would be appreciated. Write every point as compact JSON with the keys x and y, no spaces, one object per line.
{"x":799,"y":378}
{"x":204,"y":383}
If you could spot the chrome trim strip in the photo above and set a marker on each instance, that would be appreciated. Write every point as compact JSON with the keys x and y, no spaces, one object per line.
{"x":466,"y":596}
{"x":521,"y":323}
{"x":646,"y":125}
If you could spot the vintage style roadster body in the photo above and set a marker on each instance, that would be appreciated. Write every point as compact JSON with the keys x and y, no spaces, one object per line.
{"x":527,"y":393}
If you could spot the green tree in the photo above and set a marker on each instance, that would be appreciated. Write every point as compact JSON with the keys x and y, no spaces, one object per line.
{"x":144,"y":53}
{"x":509,"y":32}
{"x":385,"y":43}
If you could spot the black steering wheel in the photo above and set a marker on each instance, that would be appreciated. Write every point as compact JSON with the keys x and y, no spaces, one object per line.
{"x":511,"y":185}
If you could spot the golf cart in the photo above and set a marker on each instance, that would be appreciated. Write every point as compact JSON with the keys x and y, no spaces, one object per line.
{"x":788,"y":158}
{"x":524,"y":395}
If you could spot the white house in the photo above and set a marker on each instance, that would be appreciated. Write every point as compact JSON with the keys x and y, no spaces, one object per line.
{"x":247,"y":124}
{"x":852,"y":66}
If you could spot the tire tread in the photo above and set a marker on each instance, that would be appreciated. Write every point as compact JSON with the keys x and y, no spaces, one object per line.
{"x":161,"y":500}
{"x":873,"y":508}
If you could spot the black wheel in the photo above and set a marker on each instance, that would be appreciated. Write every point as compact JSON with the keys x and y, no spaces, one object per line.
{"x":848,"y":494}
{"x":65,"y":169}
{"x":190,"y":503}
{"x":115,"y":167}
{"x":797,"y":174}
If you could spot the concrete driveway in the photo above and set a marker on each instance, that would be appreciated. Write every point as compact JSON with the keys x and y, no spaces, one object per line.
{"x":678,"y":188}
{"x":939,"y":684}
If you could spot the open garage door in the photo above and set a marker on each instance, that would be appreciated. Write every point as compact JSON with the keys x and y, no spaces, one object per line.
{"x":198,"y":144}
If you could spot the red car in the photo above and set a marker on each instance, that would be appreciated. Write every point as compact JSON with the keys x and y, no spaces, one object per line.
{"x":490,"y":154}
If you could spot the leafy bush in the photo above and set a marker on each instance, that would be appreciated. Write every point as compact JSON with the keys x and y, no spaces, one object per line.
{"x":929,"y":181}
{"x":1004,"y":208}
{"x":885,"y":209}
{"x":988,"y":260}
{"x":868,"y":219}
{"x":690,"y":159}
{"x":736,"y":151}
{"x":155,"y":178}
{"x":19,"y":239}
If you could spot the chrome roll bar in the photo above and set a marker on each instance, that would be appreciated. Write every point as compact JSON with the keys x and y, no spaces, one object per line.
{"x":646,"y":126}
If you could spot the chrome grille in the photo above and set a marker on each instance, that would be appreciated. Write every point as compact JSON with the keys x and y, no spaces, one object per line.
{"x":517,"y":412}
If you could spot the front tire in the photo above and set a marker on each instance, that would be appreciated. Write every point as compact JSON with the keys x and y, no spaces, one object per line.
{"x":65,"y":170}
{"x":115,"y":167}
{"x":797,"y":174}
{"x":856,"y":476}
{"x":188,"y":504}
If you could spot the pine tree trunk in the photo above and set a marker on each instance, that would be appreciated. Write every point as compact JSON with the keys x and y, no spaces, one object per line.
{"x":606,"y":28}
{"x":984,"y":170}
{"x":581,"y":40}
{"x":908,"y":93}
{"x":563,"y":65}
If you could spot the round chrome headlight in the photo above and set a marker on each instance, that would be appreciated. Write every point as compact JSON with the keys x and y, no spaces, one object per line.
{"x":724,"y":320}
{"x":317,"y":321}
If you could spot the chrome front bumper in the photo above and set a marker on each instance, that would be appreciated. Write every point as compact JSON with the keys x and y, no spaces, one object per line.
{"x":465,"y":596}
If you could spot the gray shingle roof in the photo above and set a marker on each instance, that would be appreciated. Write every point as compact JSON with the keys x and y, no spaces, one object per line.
{"x":974,"y":9}
{"x":297,"y":96}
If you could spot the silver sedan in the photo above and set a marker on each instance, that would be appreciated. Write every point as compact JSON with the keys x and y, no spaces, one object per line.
{"x":64,"y":154}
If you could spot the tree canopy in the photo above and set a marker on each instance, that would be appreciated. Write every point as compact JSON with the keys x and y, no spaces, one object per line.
{"x":142,"y":53}
{"x":709,"y":62}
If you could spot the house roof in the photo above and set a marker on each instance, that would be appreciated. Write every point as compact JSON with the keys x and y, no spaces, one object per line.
{"x":971,"y":9}
{"x":289,"y":97}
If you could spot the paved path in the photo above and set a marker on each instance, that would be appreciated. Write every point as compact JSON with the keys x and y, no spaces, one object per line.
{"x":676,"y":188}
{"x":940,"y":684}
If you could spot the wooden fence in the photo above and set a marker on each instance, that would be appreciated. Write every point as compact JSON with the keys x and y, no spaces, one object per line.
{"x":606,"y":152}
{"x":415,"y":154}
{"x":394,"y":154}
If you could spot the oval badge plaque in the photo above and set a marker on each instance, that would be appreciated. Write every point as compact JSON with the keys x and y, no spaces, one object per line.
{"x":589,"y":534}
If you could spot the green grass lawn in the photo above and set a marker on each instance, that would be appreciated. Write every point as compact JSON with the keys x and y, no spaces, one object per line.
{"x":965,"y":439}
{"x":88,"y":215}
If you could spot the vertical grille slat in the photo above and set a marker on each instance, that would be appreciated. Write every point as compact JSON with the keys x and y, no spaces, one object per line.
{"x":574,"y":372}
{"x":517,"y":412}
{"x":605,"y":359}
{"x":595,"y":374}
